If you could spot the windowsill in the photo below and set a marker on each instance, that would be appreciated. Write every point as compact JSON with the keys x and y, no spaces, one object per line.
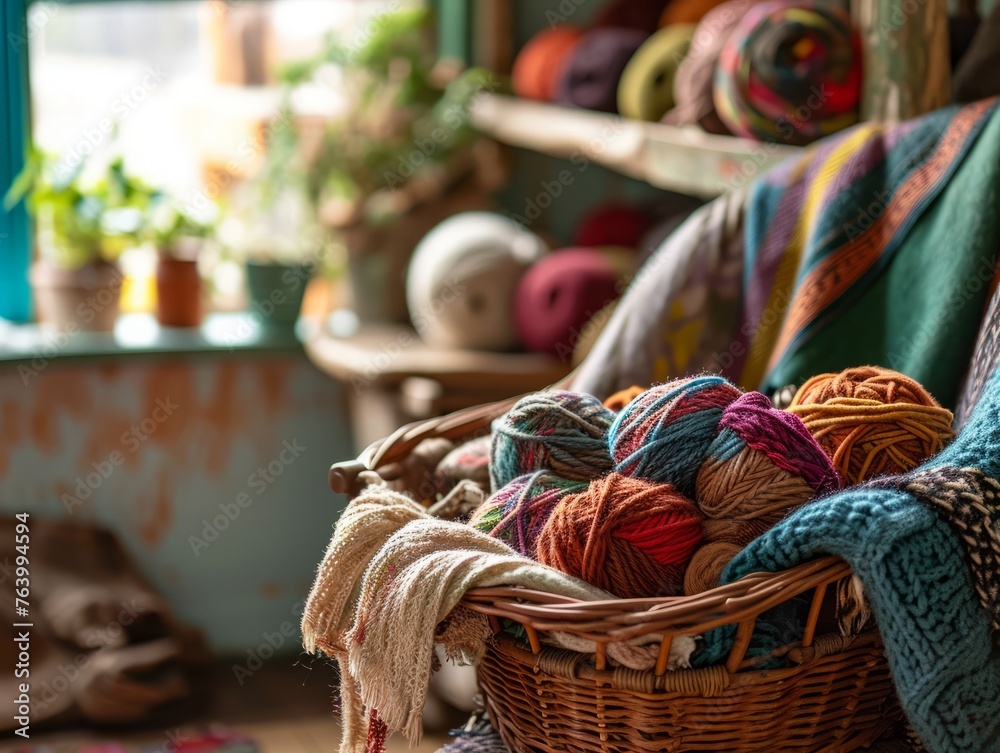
{"x":140,"y":335}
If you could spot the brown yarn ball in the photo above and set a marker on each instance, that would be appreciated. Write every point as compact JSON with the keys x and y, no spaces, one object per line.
{"x":631,"y":537}
{"x":749,"y":485}
{"x":872,"y":421}
{"x":739,"y":532}
{"x":707,"y":565}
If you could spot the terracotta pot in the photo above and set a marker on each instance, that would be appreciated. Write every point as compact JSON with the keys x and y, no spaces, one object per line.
{"x":84,"y":299}
{"x":178,"y":292}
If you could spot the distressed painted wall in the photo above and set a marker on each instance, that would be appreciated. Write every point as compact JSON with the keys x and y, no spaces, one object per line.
{"x":212,"y":472}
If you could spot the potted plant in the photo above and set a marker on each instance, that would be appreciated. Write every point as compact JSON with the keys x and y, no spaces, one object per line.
{"x":400,"y":157}
{"x":178,"y":239}
{"x":84,"y":223}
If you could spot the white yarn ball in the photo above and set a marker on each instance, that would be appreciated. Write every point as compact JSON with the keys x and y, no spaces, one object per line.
{"x":461,"y":281}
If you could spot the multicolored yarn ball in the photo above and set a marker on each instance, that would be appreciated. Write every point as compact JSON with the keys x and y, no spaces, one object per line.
{"x":664,"y":434}
{"x":559,"y":295}
{"x":559,"y":431}
{"x":643,"y":15}
{"x":872,"y":421}
{"x":790,"y":72}
{"x":589,"y":77}
{"x":694,"y":83}
{"x":538,"y":63}
{"x":762,"y":464}
{"x":519,"y":510}
{"x":631,"y":537}
{"x":646,"y":89}
{"x":612,"y":224}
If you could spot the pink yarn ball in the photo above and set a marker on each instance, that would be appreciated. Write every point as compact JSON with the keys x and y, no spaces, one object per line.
{"x":558,"y":295}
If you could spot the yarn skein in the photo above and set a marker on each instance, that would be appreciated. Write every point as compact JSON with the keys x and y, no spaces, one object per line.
{"x":462,"y":277}
{"x":560,"y":431}
{"x":722,"y":540}
{"x":540,"y":60}
{"x":695,"y":79}
{"x":763,"y":463}
{"x":872,"y":420}
{"x":646,"y":89}
{"x":559,"y":295}
{"x":631,"y":537}
{"x":664,"y":434}
{"x":519,"y":510}
{"x":789,"y":72}
{"x":589,"y":78}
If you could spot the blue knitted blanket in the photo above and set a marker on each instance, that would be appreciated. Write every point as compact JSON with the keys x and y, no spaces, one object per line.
{"x":926,"y":547}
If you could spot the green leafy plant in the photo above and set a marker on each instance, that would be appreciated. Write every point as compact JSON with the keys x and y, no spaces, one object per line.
{"x":405,"y":124}
{"x":82,"y":219}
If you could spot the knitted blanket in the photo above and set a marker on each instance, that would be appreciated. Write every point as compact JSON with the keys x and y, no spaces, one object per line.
{"x":389,"y":589}
{"x":876,"y":246}
{"x":926,"y":547}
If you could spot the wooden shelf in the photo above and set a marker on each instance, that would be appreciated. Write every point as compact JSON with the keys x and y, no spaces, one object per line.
{"x":682,"y":159}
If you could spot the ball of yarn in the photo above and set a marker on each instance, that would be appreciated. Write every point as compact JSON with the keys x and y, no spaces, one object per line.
{"x":558,"y":295}
{"x":762,"y":464}
{"x":664,"y":434}
{"x":707,"y":565}
{"x":872,"y":420}
{"x":612,"y":224}
{"x":631,"y":537}
{"x":589,"y":78}
{"x":563,"y":432}
{"x":694,"y":82}
{"x":462,"y":278}
{"x":789,"y":72}
{"x":518,"y":511}
{"x":643,"y":15}
{"x":646,"y":89}
{"x":540,"y":60}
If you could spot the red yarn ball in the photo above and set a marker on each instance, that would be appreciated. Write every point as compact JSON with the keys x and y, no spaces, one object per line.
{"x":557,"y":296}
{"x":613,"y":224}
{"x":537,"y":66}
{"x":631,"y":537}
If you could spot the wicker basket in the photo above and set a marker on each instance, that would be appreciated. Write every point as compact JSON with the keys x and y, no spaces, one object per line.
{"x":835,"y":695}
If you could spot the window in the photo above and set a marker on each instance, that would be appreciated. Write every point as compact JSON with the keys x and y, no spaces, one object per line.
{"x":183,"y":85}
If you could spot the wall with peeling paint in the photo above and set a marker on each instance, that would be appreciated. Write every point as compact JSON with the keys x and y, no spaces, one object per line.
{"x":212,"y":471}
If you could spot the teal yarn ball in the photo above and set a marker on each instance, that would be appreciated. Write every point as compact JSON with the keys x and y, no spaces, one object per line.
{"x":665,"y":433}
{"x":559,"y":431}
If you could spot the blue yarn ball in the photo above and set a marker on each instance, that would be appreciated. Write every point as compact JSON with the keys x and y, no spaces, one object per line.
{"x":559,"y":431}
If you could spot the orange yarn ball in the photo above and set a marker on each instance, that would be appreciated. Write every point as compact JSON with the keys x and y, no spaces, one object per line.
{"x":872,"y":421}
{"x":631,"y":537}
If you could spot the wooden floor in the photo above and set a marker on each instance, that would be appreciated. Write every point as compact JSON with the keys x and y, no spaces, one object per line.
{"x":285,"y":707}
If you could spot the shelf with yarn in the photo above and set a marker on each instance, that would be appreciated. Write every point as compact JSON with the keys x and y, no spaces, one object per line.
{"x":682,"y":159}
